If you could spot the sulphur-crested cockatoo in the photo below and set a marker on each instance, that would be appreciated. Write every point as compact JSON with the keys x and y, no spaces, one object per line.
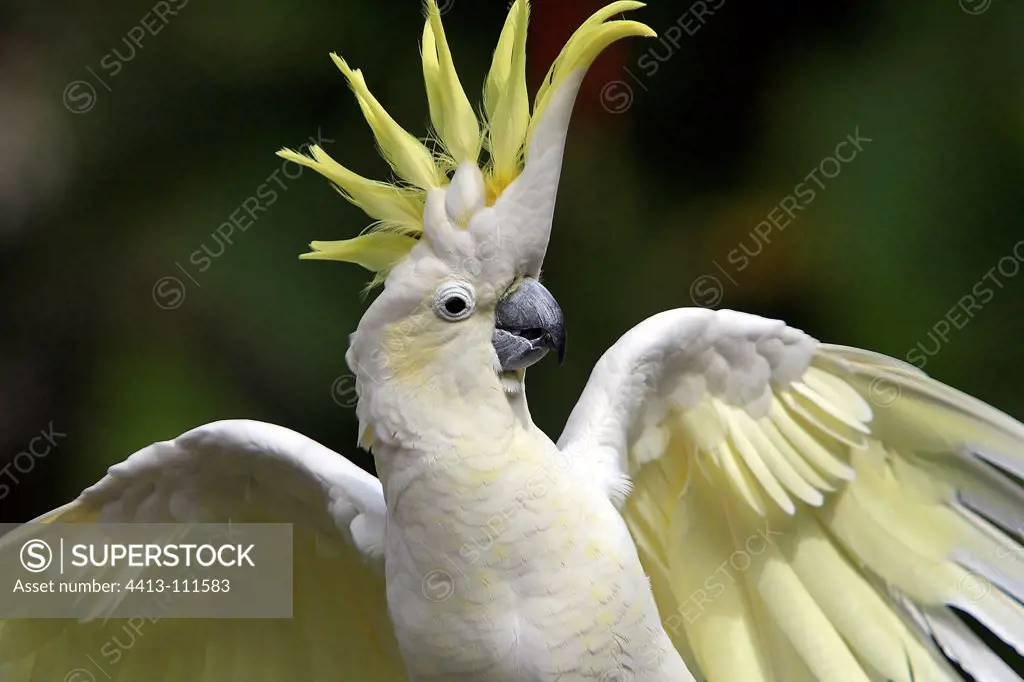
{"x":724,"y":504}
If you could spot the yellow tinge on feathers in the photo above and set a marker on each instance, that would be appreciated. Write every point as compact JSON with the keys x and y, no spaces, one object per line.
{"x":504,"y":132}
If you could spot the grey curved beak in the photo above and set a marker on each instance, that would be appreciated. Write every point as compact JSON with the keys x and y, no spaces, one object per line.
{"x":528,"y":323}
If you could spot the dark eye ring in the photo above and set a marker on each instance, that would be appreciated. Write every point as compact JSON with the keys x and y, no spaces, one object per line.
{"x":454,"y":301}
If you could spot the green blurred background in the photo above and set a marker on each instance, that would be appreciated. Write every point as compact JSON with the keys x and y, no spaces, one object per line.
{"x":131,"y":131}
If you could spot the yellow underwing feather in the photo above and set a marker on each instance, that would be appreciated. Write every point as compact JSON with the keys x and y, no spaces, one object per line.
{"x":853,"y":605}
{"x":450,"y":111}
{"x":810,"y":448}
{"x":811,"y":633}
{"x":786,"y":662}
{"x":715,"y":606}
{"x":755,"y":461}
{"x":777,"y":463}
{"x":794,"y":458}
{"x":829,"y":407}
{"x":647,"y":513}
{"x":738,"y":476}
{"x":819,"y":419}
{"x":840,"y":394}
{"x":909,"y":555}
{"x":410,"y":158}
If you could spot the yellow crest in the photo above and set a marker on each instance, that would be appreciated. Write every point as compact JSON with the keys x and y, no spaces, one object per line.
{"x":504,"y":133}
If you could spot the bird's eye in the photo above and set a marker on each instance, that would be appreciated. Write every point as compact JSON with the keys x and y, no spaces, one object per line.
{"x":454,"y":301}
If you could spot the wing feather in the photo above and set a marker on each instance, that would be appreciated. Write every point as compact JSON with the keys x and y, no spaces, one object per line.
{"x":717,"y":620}
{"x":238,"y":471}
{"x":809,"y":630}
{"x":754,"y":460}
{"x":962,"y":645}
{"x":799,"y":463}
{"x":810,"y":447}
{"x":992,"y":554}
{"x":898,"y":500}
{"x":784,"y":469}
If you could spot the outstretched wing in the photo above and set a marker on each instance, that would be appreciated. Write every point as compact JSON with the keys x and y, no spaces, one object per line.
{"x":808,"y":512}
{"x":238,"y":471}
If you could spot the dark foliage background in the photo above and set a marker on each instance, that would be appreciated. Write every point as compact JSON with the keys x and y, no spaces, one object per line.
{"x":131,"y":131}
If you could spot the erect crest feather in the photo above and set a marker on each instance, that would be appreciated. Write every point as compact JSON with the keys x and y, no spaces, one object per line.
{"x":450,"y":111}
{"x":584,"y":46}
{"x":505,"y":133}
{"x":506,"y":101}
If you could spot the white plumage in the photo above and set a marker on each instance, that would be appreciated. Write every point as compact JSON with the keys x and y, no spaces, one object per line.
{"x":785,"y":539}
{"x":730,"y":500}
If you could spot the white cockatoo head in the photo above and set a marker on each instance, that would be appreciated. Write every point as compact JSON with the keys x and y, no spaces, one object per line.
{"x":460,"y":238}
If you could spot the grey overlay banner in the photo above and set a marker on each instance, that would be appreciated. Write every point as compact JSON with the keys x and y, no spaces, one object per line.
{"x":135,"y":570}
